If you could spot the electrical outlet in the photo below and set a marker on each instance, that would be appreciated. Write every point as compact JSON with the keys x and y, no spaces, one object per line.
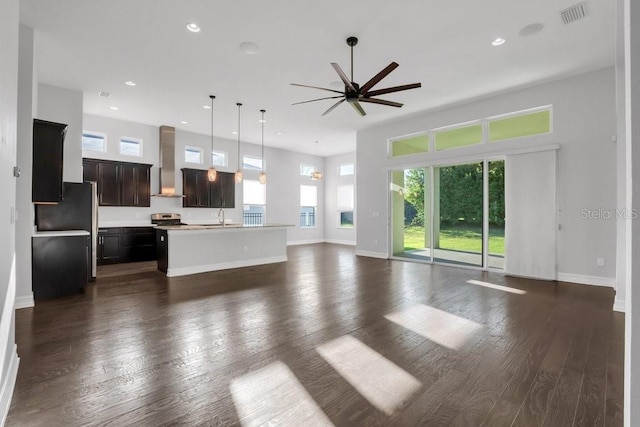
{"x":600,"y":262}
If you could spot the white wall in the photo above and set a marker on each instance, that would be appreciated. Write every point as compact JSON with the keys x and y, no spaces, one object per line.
{"x":61,"y":105}
{"x":632,"y":119}
{"x":332,"y":180}
{"x":621,"y":175}
{"x":282,"y":168}
{"x":8,"y":136}
{"x":27,"y":93}
{"x":583,"y":123}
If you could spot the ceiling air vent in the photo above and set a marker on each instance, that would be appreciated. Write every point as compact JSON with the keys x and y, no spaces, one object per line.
{"x":574,"y":13}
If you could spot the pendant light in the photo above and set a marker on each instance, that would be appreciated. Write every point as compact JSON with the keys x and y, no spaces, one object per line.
{"x":212,"y":173}
{"x":316,"y":175}
{"x":263,"y":176}
{"x":238,"y":175}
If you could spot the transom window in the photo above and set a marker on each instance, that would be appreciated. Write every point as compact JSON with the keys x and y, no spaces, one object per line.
{"x":346,"y":169}
{"x":306,"y":170}
{"x":251,"y":163}
{"x":130,"y":146}
{"x":219,"y":158}
{"x":94,"y":141}
{"x":193,"y":155}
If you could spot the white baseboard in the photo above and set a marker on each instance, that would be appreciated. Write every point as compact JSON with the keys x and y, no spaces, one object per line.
{"x":24,"y":302}
{"x":619,"y":305}
{"x":369,"y":254}
{"x":6,"y":392}
{"x":304,"y":242}
{"x":340,"y":242}
{"x":174,"y":272}
{"x":587,"y":280}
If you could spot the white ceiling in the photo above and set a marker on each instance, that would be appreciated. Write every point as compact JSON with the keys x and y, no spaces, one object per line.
{"x":94,"y":45}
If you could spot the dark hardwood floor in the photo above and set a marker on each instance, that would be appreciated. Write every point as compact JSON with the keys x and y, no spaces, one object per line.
{"x":361,"y":340}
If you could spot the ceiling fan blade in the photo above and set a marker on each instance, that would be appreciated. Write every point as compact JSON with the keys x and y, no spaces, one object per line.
{"x":356,"y":105}
{"x":318,"y":99}
{"x":343,"y":76}
{"x":394,"y":89}
{"x":381,"y":102}
{"x":333,"y":107}
{"x":316,"y":87}
{"x":375,"y":79}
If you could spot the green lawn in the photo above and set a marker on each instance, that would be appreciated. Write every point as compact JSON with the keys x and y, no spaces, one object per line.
{"x":468,"y":239}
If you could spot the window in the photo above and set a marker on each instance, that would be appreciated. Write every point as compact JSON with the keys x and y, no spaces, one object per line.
{"x":254,"y":200}
{"x":94,"y":141}
{"x":306,"y":170}
{"x":130,"y":146}
{"x":458,"y":137}
{"x":308,"y":204}
{"x":346,"y":169}
{"x":251,"y":163}
{"x":515,"y":126}
{"x":345,"y":206}
{"x":219,"y":158}
{"x":193,"y":155}
{"x":410,"y":145}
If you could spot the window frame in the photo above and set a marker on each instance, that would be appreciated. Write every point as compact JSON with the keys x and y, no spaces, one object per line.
{"x":312,"y":167}
{"x":307,"y":206}
{"x":353,"y":169}
{"x":131,"y":139}
{"x":248,"y":156}
{"x":193,"y":150}
{"x":101,"y":135}
{"x":225,"y":155}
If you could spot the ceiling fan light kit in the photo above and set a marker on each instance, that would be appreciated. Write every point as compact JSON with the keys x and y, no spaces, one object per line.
{"x":353,"y":93}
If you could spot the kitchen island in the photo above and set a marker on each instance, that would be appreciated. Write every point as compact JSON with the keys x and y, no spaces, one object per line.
{"x":191,"y":249}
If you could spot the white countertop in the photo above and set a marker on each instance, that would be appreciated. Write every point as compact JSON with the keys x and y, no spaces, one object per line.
{"x":61,"y":233}
{"x":216,"y":227}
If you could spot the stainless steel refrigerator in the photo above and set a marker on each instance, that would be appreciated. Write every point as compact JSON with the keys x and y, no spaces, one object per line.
{"x":78,"y":210}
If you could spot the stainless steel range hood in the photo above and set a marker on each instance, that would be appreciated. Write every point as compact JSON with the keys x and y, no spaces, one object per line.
{"x":168,"y":162}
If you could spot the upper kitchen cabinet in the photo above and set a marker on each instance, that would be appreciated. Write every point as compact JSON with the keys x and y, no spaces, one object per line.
{"x":119,"y":183}
{"x":200,"y":193}
{"x":223,"y":191}
{"x":48,"y":141}
{"x":195,"y":187}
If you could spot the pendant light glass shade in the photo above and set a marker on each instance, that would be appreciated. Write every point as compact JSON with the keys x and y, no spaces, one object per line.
{"x":238,"y":175}
{"x":263,"y":176}
{"x":212,"y":173}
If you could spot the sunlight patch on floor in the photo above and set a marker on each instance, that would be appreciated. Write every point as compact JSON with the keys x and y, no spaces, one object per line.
{"x":443,"y":328}
{"x":384,"y":384}
{"x":498,"y":287}
{"x":273,"y":395}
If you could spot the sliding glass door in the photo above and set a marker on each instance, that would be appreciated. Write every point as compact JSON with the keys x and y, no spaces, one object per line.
{"x":450,"y":214}
{"x":411,"y":213}
{"x":458,"y":216}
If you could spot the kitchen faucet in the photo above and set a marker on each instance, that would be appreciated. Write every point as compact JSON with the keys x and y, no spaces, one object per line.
{"x":221,"y":212}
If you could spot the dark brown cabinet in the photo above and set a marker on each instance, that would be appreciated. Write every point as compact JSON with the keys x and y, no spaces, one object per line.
{"x":200,"y":193}
{"x":126,"y":244}
{"x":59,"y":265}
{"x":48,"y":144}
{"x":109,"y":246}
{"x":119,"y":183}
{"x":195,"y":188}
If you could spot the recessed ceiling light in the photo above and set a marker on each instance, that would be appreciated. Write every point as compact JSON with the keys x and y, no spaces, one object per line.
{"x":249,"y":48}
{"x":130,"y":83}
{"x":114,"y":108}
{"x":280,"y":132}
{"x":531,"y":29}
{"x":193,"y":27}
{"x":184,"y":122}
{"x":234,"y":132}
{"x":207,"y":107}
{"x":498,"y":41}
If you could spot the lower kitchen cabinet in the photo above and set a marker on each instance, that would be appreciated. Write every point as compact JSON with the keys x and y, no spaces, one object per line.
{"x":109,"y":246}
{"x":60,"y":265}
{"x":126,"y":244}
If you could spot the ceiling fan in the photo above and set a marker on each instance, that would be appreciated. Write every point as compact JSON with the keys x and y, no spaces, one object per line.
{"x":354,"y":94}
